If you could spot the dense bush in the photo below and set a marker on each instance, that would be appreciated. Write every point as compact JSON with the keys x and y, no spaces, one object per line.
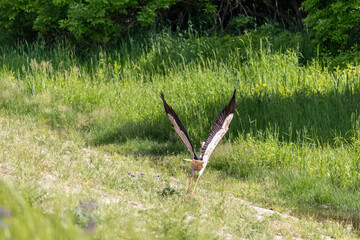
{"x":97,"y":21}
{"x":106,"y":20}
{"x":335,"y":25}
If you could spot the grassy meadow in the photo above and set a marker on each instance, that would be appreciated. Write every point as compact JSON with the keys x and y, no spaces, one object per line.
{"x":76,"y":125}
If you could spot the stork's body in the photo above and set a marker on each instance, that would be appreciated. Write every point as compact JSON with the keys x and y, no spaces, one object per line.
{"x":219,"y":129}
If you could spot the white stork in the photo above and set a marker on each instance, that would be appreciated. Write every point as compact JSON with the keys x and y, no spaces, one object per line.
{"x":219,"y":129}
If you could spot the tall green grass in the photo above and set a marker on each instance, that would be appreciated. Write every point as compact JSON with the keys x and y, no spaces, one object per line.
{"x":197,"y":76}
{"x":296,"y":121}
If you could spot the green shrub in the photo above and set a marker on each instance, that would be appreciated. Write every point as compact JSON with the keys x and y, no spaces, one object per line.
{"x":104,"y":21}
{"x":86,"y":20}
{"x":334,"y":24}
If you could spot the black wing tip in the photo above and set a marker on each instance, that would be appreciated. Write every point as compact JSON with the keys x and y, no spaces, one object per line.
{"x":166,"y":106}
{"x":233,"y":96}
{"x":232,"y":103}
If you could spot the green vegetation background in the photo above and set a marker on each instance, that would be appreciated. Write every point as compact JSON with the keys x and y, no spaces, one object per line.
{"x":293,"y":143}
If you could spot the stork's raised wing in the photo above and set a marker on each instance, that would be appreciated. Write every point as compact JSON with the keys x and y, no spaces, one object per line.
{"x":219,"y":129}
{"x":178,"y":126}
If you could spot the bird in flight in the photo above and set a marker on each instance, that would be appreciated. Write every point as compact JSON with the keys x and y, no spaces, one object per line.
{"x":218,"y":130}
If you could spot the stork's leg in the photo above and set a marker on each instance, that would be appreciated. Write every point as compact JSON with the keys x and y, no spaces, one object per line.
{"x":192,"y":194}
{"x":192,"y":174}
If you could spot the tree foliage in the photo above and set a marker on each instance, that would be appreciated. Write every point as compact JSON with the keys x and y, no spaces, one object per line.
{"x":91,"y":20}
{"x":335,"y":25}
{"x":106,"y":20}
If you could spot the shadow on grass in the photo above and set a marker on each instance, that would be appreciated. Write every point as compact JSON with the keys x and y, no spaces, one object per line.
{"x":323,"y":213}
{"x":304,"y":116}
{"x":316,"y":197}
{"x":142,"y":139}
